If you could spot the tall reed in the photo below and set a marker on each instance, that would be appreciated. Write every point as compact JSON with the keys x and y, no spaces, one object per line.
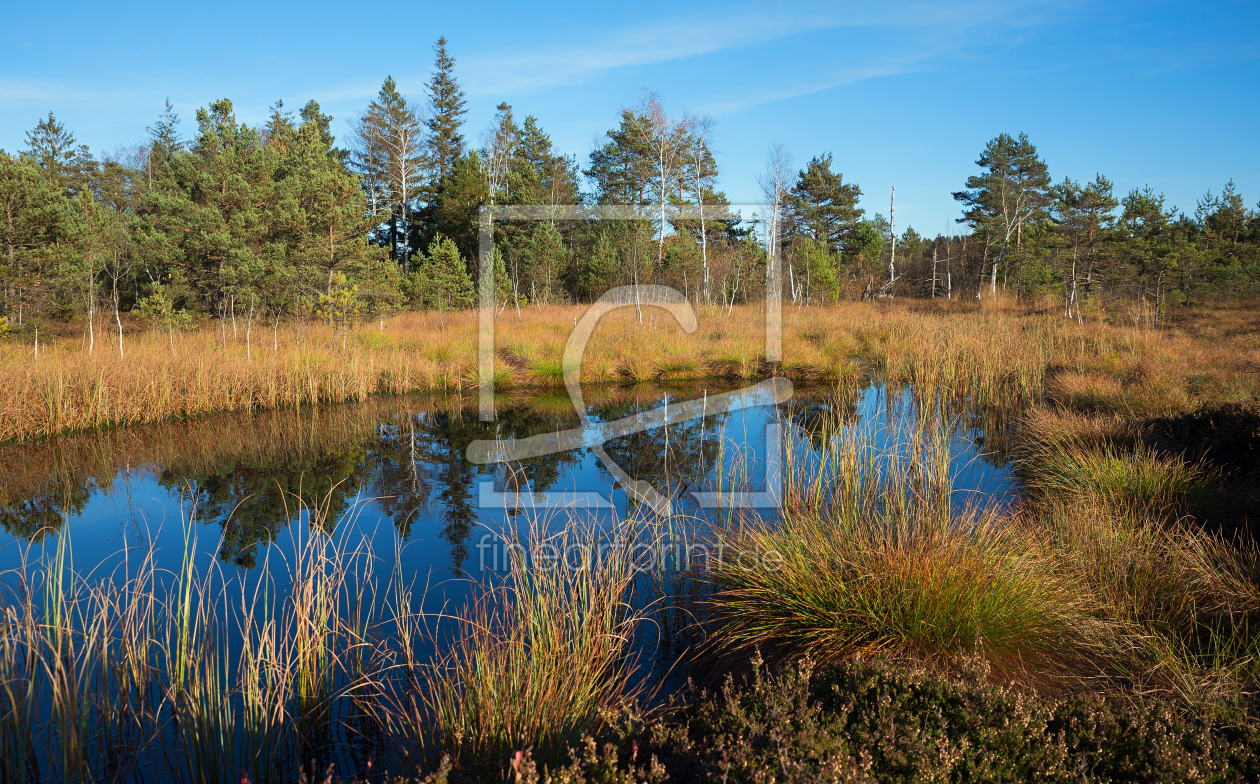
{"x":202,"y":676}
{"x":540,"y":656}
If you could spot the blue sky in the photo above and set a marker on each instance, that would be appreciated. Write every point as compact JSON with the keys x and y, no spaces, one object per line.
{"x":900,"y":93}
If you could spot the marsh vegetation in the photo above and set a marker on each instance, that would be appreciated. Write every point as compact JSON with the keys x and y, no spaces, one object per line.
{"x":1118,"y":585}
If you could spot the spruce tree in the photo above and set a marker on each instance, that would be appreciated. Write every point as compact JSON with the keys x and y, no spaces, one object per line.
{"x":540,"y":175}
{"x":446,"y":108}
{"x":455,"y":215}
{"x":280,"y":128}
{"x":164,"y":143}
{"x":546,"y":261}
{"x":54,"y":150}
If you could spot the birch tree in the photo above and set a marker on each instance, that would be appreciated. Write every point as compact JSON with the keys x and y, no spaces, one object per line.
{"x":702,"y":172}
{"x":667,"y":140}
{"x":90,"y":238}
{"x":774,"y":188}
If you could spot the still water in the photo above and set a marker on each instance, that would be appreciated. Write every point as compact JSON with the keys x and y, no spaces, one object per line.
{"x":396,"y":472}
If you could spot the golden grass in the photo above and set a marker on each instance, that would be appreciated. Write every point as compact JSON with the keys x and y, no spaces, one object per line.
{"x":1090,"y":586}
{"x":878,"y":562}
{"x":994,"y":354}
{"x":540,"y":659}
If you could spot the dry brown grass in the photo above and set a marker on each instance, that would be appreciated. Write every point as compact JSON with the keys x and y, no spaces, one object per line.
{"x":998,"y":353}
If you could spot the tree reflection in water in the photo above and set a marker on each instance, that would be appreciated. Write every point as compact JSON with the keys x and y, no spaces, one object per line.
{"x":407,"y":455}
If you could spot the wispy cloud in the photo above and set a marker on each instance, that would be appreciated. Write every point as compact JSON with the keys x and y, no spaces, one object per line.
{"x":547,"y":66}
{"x":558,"y":66}
{"x":17,"y":89}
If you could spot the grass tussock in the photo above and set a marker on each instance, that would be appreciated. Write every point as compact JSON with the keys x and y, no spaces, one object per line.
{"x":1089,"y":587}
{"x":916,"y":588}
{"x":538,"y":660}
{"x":1136,"y":477}
{"x":878,"y":561}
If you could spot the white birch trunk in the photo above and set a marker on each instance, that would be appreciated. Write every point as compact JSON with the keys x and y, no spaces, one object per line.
{"x":892,"y":236}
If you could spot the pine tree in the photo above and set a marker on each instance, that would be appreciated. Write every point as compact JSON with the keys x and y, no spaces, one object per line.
{"x":33,"y":216}
{"x":324,"y":207}
{"x":1083,"y":214}
{"x":446,"y":107}
{"x":820,"y":266}
{"x":822,"y":206}
{"x":222,"y":219}
{"x":1012,"y":192}
{"x":598,"y":270}
{"x":622,"y":169}
{"x":280,"y":129}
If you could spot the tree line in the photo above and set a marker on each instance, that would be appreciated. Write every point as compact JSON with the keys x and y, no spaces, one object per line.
{"x":247,"y":224}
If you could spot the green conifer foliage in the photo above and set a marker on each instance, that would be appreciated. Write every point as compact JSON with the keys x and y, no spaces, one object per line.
{"x":446,"y":108}
{"x":822,"y":205}
{"x":447,"y":285}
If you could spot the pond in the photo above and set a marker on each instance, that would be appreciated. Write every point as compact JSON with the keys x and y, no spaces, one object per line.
{"x":398,"y":470}
{"x":422,"y":500}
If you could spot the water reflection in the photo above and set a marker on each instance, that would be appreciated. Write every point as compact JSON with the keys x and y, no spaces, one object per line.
{"x":407,"y":456}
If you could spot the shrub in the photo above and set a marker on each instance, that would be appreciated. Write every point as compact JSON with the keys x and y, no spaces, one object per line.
{"x":876,"y":722}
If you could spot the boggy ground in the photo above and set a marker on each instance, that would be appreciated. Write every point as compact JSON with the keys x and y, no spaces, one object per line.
{"x":993,"y":352}
{"x":1102,"y":630}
